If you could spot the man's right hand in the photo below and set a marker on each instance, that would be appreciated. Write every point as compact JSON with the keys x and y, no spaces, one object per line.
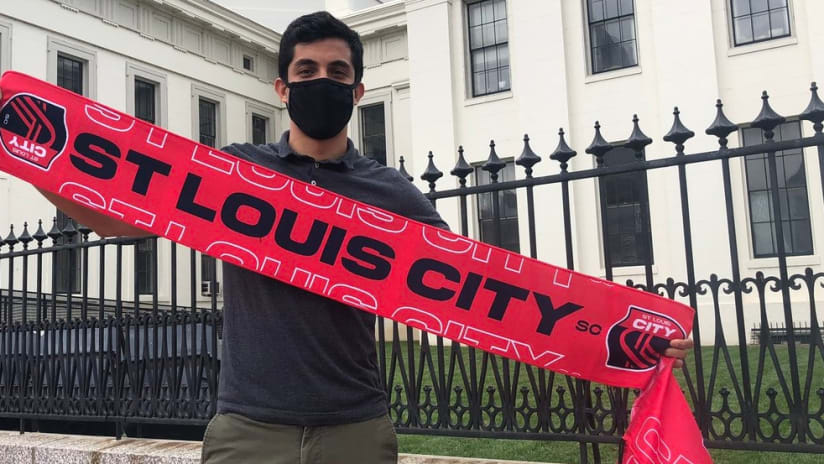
{"x":101,"y":224}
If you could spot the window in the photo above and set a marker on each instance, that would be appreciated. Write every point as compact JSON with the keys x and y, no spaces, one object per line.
{"x":488,"y":46}
{"x":759,"y":20}
{"x":72,"y":67}
{"x":145,"y":100}
{"x":145,"y":108}
{"x":627,"y":224}
{"x":502,"y":232}
{"x":209,"y":131}
{"x":70,"y":73}
{"x":5,"y":47}
{"x":792,"y":193}
{"x":248,"y":63}
{"x":373,"y":132}
{"x":612,"y":34}
{"x":259,"y":124}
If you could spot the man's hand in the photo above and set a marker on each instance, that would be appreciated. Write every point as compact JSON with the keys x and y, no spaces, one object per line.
{"x":679,"y":349}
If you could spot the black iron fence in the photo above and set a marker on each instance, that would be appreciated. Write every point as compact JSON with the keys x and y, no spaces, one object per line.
{"x":93,"y":355}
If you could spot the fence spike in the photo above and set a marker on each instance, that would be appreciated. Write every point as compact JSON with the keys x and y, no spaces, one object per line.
{"x":679,"y":133}
{"x":403,"y":171}
{"x":637,"y":140}
{"x":54,"y":233}
{"x":599,"y":146}
{"x":721,"y":127}
{"x":462,"y":168}
{"x":69,"y":230}
{"x":493,"y":163}
{"x":815,"y":110}
{"x":767,"y":119}
{"x":432,"y":173}
{"x":563,"y":153}
{"x":11,"y":239}
{"x":25,"y":237}
{"x":39,"y":235}
{"x":84,"y":230}
{"x":528,"y":158}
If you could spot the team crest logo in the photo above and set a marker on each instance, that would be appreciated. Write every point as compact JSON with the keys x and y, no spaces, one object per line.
{"x":33,"y":129}
{"x":636,"y":342}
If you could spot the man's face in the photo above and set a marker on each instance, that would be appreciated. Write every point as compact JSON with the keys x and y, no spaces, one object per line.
{"x":326,"y":58}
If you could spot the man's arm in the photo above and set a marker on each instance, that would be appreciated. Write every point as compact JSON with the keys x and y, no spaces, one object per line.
{"x":101,"y":224}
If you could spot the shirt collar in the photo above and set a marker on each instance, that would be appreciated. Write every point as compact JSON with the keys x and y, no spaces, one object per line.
{"x":284,"y":150}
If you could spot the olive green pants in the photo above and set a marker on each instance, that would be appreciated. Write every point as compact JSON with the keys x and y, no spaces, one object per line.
{"x":232,"y":438}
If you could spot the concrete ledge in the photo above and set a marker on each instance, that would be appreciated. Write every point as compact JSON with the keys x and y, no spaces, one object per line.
{"x":44,"y":448}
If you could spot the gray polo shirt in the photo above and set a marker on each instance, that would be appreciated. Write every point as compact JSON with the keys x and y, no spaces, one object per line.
{"x":293,"y":357}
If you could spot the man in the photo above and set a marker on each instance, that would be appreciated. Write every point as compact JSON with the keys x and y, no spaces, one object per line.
{"x":299,"y":381}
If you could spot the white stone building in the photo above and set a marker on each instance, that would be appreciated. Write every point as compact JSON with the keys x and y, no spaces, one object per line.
{"x":444,"y":73}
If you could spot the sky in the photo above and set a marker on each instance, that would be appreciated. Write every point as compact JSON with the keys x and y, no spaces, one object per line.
{"x":277,"y":14}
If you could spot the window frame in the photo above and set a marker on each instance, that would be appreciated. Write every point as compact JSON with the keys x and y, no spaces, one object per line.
{"x":266,"y":111}
{"x":5,"y":46}
{"x":748,"y":208}
{"x":759,"y":43}
{"x":219,"y":98}
{"x":372,"y":98}
{"x":590,"y":65}
{"x":135,"y":71}
{"x":476,"y":211}
{"x":58,"y":46}
{"x":469,"y":74}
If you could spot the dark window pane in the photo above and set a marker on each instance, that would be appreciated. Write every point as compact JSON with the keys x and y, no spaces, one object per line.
{"x":479,"y":81}
{"x":627,"y":29}
{"x":627,"y":224}
{"x":489,"y":34}
{"x":613,"y":32}
{"x":597,"y":35}
{"x":740,"y":7}
{"x":626,"y":7}
{"x":478,"y":60}
{"x":145,"y":263}
{"x":259,"y":124}
{"x":761,"y":26}
{"x":487,"y":11}
{"x":145,"y":101}
{"x":474,"y":14}
{"x":208,"y":122}
{"x":777,"y":3}
{"x":761,"y":206}
{"x":503,"y":78}
{"x":799,"y":209}
{"x":500,"y":9}
{"x":500,"y":230}
{"x":611,"y":8}
{"x":491,"y":57}
{"x":596,"y":10}
{"x":492,"y":81}
{"x":70,"y":73}
{"x":756,"y":174}
{"x":373,"y":132}
{"x":757,"y":6}
{"x":802,"y":237}
{"x":628,"y":56}
{"x":779,"y":23}
{"x":763,"y":239}
{"x":743,"y":30}
{"x":501,"y":32}
{"x":248,"y":63}
{"x":476,"y":39}
{"x":503,"y":55}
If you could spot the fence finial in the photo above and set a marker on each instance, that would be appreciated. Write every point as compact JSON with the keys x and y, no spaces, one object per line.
{"x":599,"y":146}
{"x":462,"y":168}
{"x":721,"y":127}
{"x":25,"y":237}
{"x":432,"y":173}
{"x":563,"y":153}
{"x":39,"y":235}
{"x":528,"y":158}
{"x":815,"y":110}
{"x":11,"y":239}
{"x":493,"y":163}
{"x":767,"y":119}
{"x":638,"y":139}
{"x":679,"y":133}
{"x":54,"y":233}
{"x":403,"y":171}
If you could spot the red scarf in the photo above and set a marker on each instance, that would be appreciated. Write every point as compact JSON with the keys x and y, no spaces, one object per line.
{"x":374,"y":260}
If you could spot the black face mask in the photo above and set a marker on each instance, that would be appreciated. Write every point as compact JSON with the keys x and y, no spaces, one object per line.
{"x":321,"y":107}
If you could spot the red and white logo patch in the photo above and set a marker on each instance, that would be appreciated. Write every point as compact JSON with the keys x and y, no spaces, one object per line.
{"x":33,"y":129}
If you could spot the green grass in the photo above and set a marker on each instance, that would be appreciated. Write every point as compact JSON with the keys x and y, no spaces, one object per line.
{"x":776,"y":363}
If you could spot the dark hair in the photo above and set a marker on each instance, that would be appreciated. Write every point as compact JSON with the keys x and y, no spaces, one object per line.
{"x":318,"y":26}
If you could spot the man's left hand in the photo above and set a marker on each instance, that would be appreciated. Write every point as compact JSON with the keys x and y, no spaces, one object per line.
{"x":679,"y":349}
